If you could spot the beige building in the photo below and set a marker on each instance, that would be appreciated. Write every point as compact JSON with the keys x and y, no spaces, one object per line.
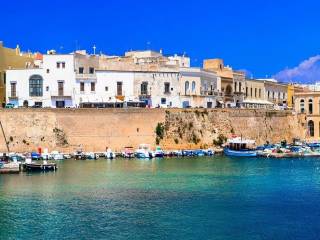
{"x":11,"y":59}
{"x":308,"y":104}
{"x":276,"y":92}
{"x":200,"y":88}
{"x":232,"y":82}
{"x":256,"y":95}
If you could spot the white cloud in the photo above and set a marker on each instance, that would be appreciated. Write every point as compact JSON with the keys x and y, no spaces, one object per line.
{"x":307,"y":71}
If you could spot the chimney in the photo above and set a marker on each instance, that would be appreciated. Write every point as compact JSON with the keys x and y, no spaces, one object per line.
{"x":18,"y":50}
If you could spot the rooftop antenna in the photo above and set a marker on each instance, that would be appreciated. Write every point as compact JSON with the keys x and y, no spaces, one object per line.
{"x":94,"y":49}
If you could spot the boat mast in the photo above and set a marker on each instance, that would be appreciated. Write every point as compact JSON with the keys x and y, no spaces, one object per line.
{"x":4,"y":136}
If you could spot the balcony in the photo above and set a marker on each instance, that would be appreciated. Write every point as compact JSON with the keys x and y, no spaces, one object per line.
{"x":86,"y":77}
{"x":211,"y":93}
{"x":13,"y":98}
{"x":60,"y":95}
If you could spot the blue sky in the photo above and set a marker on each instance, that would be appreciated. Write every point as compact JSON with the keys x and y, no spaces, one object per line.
{"x":263,"y":37}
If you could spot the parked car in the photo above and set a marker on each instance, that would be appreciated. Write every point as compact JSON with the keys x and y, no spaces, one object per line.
{"x":9,"y":105}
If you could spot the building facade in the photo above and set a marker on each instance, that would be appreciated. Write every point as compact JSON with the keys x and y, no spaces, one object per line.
{"x":308,"y":104}
{"x":11,"y":59}
{"x":48,"y":86}
{"x":200,"y":88}
{"x":232,"y":82}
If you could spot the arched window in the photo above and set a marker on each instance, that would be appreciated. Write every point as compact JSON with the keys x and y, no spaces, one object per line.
{"x":311,"y":128}
{"x":193,"y":86}
{"x":240,"y":87}
{"x":186,"y":87}
{"x":302,"y":105}
{"x":228,"y":90}
{"x":36,"y":86}
{"x":310,"y":106}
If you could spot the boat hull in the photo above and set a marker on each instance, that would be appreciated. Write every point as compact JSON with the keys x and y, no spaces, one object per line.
{"x":233,"y":153}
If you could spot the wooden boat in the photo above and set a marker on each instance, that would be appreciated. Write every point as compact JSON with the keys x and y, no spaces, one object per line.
{"x":238,"y":147}
{"x":40,"y":167}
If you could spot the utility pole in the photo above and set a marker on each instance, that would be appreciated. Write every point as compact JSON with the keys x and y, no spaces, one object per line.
{"x":4,"y":135}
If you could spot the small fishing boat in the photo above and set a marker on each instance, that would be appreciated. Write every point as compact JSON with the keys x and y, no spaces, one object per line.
{"x":109,"y":154}
{"x":128,"y":152}
{"x":209,"y":152}
{"x":143,"y":152}
{"x":91,"y":156}
{"x":238,"y":147}
{"x":55,"y":155}
{"x":199,"y":153}
{"x":79,"y":155}
{"x":40,"y":167}
{"x":9,"y":168}
{"x":187,"y":153}
{"x":159,"y":153}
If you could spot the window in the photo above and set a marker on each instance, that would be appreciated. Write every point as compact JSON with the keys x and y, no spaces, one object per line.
{"x":229,"y":90}
{"x":93,"y":87}
{"x":279,"y":95}
{"x":240,"y":87}
{"x":81,"y":70}
{"x":235,"y":86}
{"x":119,"y":88}
{"x":186,"y":87}
{"x":268,"y":94}
{"x":91,"y":70}
{"x":58,"y":64}
{"x":48,"y":70}
{"x":106,"y":89}
{"x":144,"y":88}
{"x":255,"y":92}
{"x":13,"y":89}
{"x":311,"y":128}
{"x":35,"y":86}
{"x":82,"y":87}
{"x":163,"y":100}
{"x":259,"y":93}
{"x":166,"y":87}
{"x":47,"y":88}
{"x":63,"y":65}
{"x":60,"y":88}
{"x":193,"y":86}
{"x":251,"y":92}
{"x":310,"y":106}
{"x":246,"y":91}
{"x":302,"y":105}
{"x":273,"y":95}
{"x":4,"y":78}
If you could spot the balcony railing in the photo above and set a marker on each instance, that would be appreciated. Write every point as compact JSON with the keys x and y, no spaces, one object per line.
{"x":64,"y":95}
{"x":86,"y":76}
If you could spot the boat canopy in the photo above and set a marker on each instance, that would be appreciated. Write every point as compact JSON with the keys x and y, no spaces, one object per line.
{"x":239,"y":140}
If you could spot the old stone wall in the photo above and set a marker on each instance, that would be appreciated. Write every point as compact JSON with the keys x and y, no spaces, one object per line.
{"x":95,"y":129}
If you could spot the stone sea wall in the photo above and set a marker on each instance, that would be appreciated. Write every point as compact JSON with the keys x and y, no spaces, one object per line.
{"x":95,"y":129}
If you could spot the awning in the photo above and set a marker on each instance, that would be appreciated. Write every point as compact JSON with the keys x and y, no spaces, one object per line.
{"x":261,"y":102}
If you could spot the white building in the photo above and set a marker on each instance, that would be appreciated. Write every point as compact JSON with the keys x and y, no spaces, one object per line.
{"x":49,"y":86}
{"x":155,"y":89}
{"x":76,"y":80}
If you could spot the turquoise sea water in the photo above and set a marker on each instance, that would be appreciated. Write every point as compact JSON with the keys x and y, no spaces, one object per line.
{"x":189,"y":198}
